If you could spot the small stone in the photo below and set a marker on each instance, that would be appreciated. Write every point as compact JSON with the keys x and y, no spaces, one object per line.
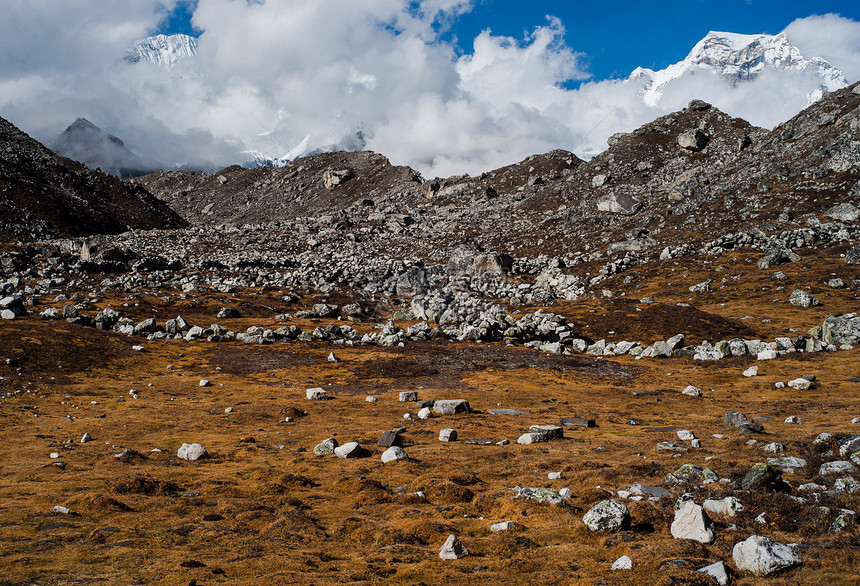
{"x":191,"y":452}
{"x":408,"y":396}
{"x":622,"y":563}
{"x":793,"y":420}
{"x":565,"y":493}
{"x":370,"y":399}
{"x":751,"y":371}
{"x":62,"y":510}
{"x":724,"y":507}
{"x":717,"y":571}
{"x":503,"y":526}
{"x":228,"y":410}
{"x":448,"y":435}
{"x":425,"y":413}
{"x":137,"y":348}
{"x":685,"y":435}
{"x":555,"y":475}
{"x":86,"y":438}
{"x":453,"y":549}
{"x":316,"y":394}
{"x":692,"y":391}
{"x":393,"y":454}
{"x":800,"y":384}
{"x":205,"y":383}
{"x":326,"y":446}
{"x":331,"y":357}
{"x":389,"y":438}
{"x":531,"y":438}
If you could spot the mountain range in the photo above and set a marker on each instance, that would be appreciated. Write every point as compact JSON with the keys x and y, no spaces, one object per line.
{"x":736,"y":62}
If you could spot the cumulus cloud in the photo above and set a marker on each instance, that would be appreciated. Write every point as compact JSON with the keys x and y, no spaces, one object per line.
{"x":832,"y":37}
{"x":296,"y":75}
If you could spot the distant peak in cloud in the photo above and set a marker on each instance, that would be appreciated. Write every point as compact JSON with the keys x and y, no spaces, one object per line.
{"x":738,"y":58}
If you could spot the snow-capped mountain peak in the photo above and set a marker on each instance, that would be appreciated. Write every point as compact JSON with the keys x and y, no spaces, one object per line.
{"x":738,"y":58}
{"x":163,"y":50}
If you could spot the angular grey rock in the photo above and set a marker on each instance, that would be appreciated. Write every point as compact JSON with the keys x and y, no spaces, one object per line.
{"x":608,"y":515}
{"x":852,"y":255}
{"x":717,"y":571}
{"x":389,"y":438}
{"x":408,"y":396}
{"x":760,"y":556}
{"x":692,"y":391}
{"x":453,"y":549}
{"x":448,"y":435}
{"x":326,"y":446}
{"x":725,"y":507}
{"x":451,"y":406}
{"x":800,"y":298}
{"x":316,"y":394}
{"x":649,"y":491}
{"x":532,"y":438}
{"x":836,"y":467}
{"x":618,"y":203}
{"x":86,"y":438}
{"x":693,"y":140}
{"x":691,"y":521}
{"x":622,"y":563}
{"x":191,"y":452}
{"x":502,"y":526}
{"x":334,"y":177}
{"x":550,"y":431}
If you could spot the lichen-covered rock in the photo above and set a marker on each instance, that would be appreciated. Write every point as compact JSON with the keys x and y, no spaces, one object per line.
{"x":841,"y":329}
{"x":608,"y":515}
{"x":690,"y":473}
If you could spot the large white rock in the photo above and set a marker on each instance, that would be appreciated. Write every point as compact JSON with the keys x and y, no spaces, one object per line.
{"x":606,"y":515}
{"x":691,"y":522}
{"x":761,"y":556}
{"x":393,"y":454}
{"x":191,"y":452}
{"x":453,"y":549}
{"x":348,"y":450}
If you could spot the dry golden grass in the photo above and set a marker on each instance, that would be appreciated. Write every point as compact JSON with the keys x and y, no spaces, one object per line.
{"x":265,"y":510}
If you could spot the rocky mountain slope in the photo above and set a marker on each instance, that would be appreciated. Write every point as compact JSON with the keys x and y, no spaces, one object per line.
{"x":86,"y":143}
{"x":44,"y":195}
{"x":683,"y":180}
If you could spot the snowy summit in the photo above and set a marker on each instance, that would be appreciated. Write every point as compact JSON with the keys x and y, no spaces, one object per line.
{"x":741,"y":58}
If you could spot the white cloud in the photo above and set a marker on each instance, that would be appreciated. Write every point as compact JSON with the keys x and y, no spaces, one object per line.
{"x":274,"y":75}
{"x":832,"y":37}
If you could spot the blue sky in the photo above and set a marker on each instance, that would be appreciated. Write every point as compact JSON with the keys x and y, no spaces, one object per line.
{"x":614,"y":38}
